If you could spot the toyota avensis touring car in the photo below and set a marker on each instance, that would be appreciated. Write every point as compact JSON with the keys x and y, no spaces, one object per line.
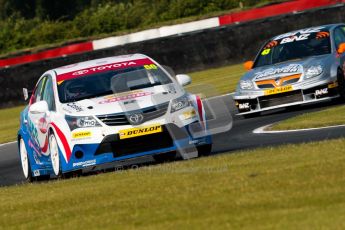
{"x":87,"y":116}
{"x":299,"y":67}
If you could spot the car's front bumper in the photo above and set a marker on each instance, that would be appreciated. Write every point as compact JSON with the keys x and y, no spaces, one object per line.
{"x":248,"y":104}
{"x":112,"y":150}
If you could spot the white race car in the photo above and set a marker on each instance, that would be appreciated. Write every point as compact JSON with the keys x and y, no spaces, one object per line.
{"x":90,"y":115}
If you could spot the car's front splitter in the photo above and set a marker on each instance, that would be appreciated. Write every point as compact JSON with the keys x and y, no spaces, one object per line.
{"x":282,"y":100}
{"x":113,"y":150}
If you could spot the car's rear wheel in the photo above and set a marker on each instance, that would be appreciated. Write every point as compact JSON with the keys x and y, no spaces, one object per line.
{"x":25,"y":161}
{"x":54,"y":155}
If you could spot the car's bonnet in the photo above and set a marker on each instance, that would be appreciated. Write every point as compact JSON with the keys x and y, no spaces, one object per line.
{"x":287,"y":68}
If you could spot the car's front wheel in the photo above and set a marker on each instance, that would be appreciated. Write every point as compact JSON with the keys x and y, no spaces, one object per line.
{"x":25,"y":161}
{"x":341,"y":84}
{"x":204,"y":150}
{"x":54,"y":155}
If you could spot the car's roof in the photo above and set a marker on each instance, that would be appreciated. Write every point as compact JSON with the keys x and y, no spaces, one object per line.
{"x":327,"y":27}
{"x":97,"y":62}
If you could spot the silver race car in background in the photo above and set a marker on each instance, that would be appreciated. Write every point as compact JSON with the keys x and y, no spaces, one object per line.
{"x":299,"y":67}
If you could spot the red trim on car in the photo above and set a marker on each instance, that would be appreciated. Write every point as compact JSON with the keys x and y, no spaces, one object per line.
{"x":45,"y":146}
{"x":103,"y":68}
{"x":64,"y":142}
{"x":199,"y":103}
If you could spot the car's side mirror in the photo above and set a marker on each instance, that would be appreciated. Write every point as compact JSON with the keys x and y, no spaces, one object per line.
{"x":39,"y":107}
{"x":183,"y":79}
{"x":341,"y":48}
{"x":248,"y":65}
{"x":27,"y":94}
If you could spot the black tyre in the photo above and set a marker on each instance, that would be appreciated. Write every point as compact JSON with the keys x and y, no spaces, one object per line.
{"x":341,"y":84}
{"x":204,"y":150}
{"x":165,"y":157}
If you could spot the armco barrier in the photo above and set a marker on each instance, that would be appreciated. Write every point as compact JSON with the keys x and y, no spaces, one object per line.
{"x":184,"y":53}
{"x":274,"y":10}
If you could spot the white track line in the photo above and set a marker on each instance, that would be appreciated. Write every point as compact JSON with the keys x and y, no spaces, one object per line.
{"x":223,"y":95}
{"x":8,"y":143}
{"x":261,"y":130}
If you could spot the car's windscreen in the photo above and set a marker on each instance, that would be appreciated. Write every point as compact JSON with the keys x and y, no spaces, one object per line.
{"x":116,"y":81}
{"x":294,"y":46}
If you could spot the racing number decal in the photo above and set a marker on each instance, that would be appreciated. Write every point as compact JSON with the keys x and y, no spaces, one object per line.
{"x":265,"y":52}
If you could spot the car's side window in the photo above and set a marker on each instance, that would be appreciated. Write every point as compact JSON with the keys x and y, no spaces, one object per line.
{"x":339,"y":36}
{"x":37,"y":96}
{"x":48,"y":93}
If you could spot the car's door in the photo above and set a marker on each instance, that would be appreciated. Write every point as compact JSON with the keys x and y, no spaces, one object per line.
{"x":41,"y":120}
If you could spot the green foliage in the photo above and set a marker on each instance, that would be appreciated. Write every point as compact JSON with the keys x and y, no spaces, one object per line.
{"x":30,"y":23}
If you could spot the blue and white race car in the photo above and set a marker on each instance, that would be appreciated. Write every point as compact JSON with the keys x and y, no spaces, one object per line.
{"x":89,"y":115}
{"x":299,"y":67}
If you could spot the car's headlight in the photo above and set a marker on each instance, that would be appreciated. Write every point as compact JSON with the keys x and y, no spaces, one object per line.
{"x":246,"y":84}
{"x":81,"y":122}
{"x":180,"y":103}
{"x":313,"y":71}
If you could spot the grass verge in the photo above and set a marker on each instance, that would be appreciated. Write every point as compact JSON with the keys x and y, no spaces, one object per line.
{"x":209,"y":82}
{"x":216,"y":81}
{"x":286,"y":187}
{"x":9,"y":123}
{"x":327,"y":117}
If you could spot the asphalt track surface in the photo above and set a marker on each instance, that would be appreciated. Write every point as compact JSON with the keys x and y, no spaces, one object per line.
{"x":239,"y":137}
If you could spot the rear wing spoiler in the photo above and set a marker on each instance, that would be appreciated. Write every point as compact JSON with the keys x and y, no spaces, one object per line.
{"x":27,"y":93}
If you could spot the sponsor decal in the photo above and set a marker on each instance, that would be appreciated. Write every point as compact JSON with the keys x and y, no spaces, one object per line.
{"x":36,"y":173}
{"x":116,"y":98}
{"x":333,"y":85}
{"x":303,"y":31}
{"x":321,"y":92}
{"x":85,"y":163}
{"x":75,"y":107}
{"x":107,"y":67}
{"x":277,"y":90}
{"x":82,"y":134}
{"x":36,"y":150}
{"x":292,"y":68}
{"x":295,"y":38}
{"x":80,"y":72}
{"x":37,"y":160}
{"x":140,"y":131}
{"x":243,"y":105}
{"x":33,"y":131}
